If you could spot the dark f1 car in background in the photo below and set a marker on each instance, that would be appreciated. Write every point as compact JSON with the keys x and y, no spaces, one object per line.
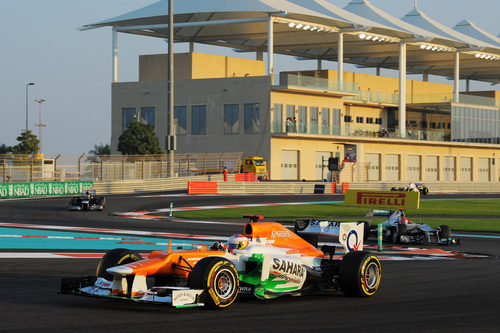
{"x":266,"y":261}
{"x":398,"y":229}
{"x":418,"y":187}
{"x":87,"y":201}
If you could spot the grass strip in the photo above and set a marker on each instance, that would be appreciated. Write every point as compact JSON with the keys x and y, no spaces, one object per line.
{"x":459,"y":214}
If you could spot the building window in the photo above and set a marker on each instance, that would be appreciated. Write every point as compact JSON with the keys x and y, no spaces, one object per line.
{"x":433,"y":125}
{"x":290,"y":111}
{"x":347,"y":119}
{"x":252,"y":118}
{"x":302,"y":111}
{"x":148,"y":116}
{"x":369,"y":120}
{"x":313,"y":120}
{"x":129,"y":115}
{"x":180,"y":120}
{"x":423,"y":124}
{"x":359,"y":120}
{"x":231,"y":119}
{"x":199,"y":119}
{"x":378,"y":121}
{"x":278,"y":118}
{"x":325,"y":120}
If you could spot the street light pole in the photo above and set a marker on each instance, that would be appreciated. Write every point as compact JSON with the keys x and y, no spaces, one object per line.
{"x":27,"y":84}
{"x":170,"y":87}
{"x":40,"y":125}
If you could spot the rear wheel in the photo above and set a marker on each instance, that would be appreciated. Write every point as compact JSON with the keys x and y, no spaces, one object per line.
{"x":444,"y":231}
{"x":359,"y":274}
{"x":218,"y":278}
{"x":115,"y":257}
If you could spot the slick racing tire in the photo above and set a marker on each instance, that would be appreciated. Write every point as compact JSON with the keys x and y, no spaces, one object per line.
{"x":115,"y":257}
{"x":218,"y":278}
{"x":444,"y":231}
{"x":360,"y":274}
{"x":425,"y":191}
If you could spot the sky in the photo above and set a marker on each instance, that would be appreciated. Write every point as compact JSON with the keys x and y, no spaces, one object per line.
{"x":71,"y":69}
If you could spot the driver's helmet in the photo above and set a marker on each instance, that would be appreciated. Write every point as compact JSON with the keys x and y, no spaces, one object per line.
{"x":404,"y":220}
{"x":237,"y":242}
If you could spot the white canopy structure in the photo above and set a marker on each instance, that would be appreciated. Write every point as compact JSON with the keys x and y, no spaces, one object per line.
{"x":466,"y":27}
{"x":317,"y":29}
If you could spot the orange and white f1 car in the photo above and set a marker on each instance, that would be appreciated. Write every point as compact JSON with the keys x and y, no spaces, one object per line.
{"x":267,"y":260}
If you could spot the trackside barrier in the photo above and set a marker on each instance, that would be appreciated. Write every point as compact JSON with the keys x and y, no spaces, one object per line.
{"x":202,"y":187}
{"x":334,"y":187}
{"x":345,"y":187}
{"x":245,"y":177}
{"x":25,"y":190}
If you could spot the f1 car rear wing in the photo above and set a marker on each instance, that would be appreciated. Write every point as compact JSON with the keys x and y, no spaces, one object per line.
{"x":350,"y":234}
{"x":89,"y":192}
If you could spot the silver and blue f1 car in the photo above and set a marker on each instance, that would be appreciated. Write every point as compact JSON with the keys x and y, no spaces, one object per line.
{"x":398,"y":229}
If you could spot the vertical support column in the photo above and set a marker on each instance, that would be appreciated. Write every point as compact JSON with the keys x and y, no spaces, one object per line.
{"x":171,"y":88}
{"x":114,"y":58}
{"x":340,"y":59}
{"x":191,"y":47}
{"x":270,"y":48}
{"x":402,"y":89}
{"x":319,"y":64}
{"x":456,"y":83}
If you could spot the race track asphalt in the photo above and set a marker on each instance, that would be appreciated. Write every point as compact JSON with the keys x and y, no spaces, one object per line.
{"x":415,"y":295}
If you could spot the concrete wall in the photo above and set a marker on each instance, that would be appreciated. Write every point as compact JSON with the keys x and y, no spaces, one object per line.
{"x":213,"y":93}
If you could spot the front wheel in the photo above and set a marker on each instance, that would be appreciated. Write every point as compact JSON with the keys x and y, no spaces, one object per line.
{"x":218,"y":278}
{"x":360,"y":274}
{"x":115,"y":257}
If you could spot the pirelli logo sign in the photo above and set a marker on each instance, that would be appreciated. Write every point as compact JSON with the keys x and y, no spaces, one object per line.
{"x":382,"y":199}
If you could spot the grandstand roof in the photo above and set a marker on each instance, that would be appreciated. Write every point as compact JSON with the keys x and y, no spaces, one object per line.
{"x":309,"y":29}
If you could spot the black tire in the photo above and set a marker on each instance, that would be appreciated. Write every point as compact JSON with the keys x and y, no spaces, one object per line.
{"x":425,"y":191}
{"x":395,"y":235}
{"x":366,"y":231}
{"x":359,"y":274}
{"x":444,"y":231}
{"x":218,"y":278}
{"x":114,"y":258}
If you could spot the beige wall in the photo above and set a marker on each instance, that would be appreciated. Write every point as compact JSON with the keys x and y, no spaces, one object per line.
{"x":198,"y":66}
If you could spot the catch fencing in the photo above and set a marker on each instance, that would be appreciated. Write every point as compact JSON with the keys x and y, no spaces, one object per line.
{"x":64,"y":168}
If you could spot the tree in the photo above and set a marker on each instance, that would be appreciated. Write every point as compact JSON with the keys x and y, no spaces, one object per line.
{"x":4,"y":149}
{"x":139,"y":139}
{"x":28,"y":143}
{"x":99,"y":150}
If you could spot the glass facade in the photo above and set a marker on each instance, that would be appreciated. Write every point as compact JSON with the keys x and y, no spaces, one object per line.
{"x":475,"y":124}
{"x":252,"y":118}
{"x":198,"y":120}
{"x":148,"y":115}
{"x":129,"y":115}
{"x":180,"y":120}
{"x":231,"y":119}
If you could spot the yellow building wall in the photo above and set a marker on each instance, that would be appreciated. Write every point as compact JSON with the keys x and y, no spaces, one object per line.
{"x":308,"y":146}
{"x":206,"y":66}
{"x":153,"y":67}
{"x":416,"y":91}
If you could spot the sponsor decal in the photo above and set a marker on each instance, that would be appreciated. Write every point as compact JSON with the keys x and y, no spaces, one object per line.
{"x":182,"y":297}
{"x":355,"y":244}
{"x":288,"y":267}
{"x":280,"y":234}
{"x":325,"y":223}
{"x":390,"y":199}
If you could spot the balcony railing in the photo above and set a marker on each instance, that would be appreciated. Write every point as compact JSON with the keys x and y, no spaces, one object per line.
{"x":336,"y":130}
{"x":309,"y":82}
